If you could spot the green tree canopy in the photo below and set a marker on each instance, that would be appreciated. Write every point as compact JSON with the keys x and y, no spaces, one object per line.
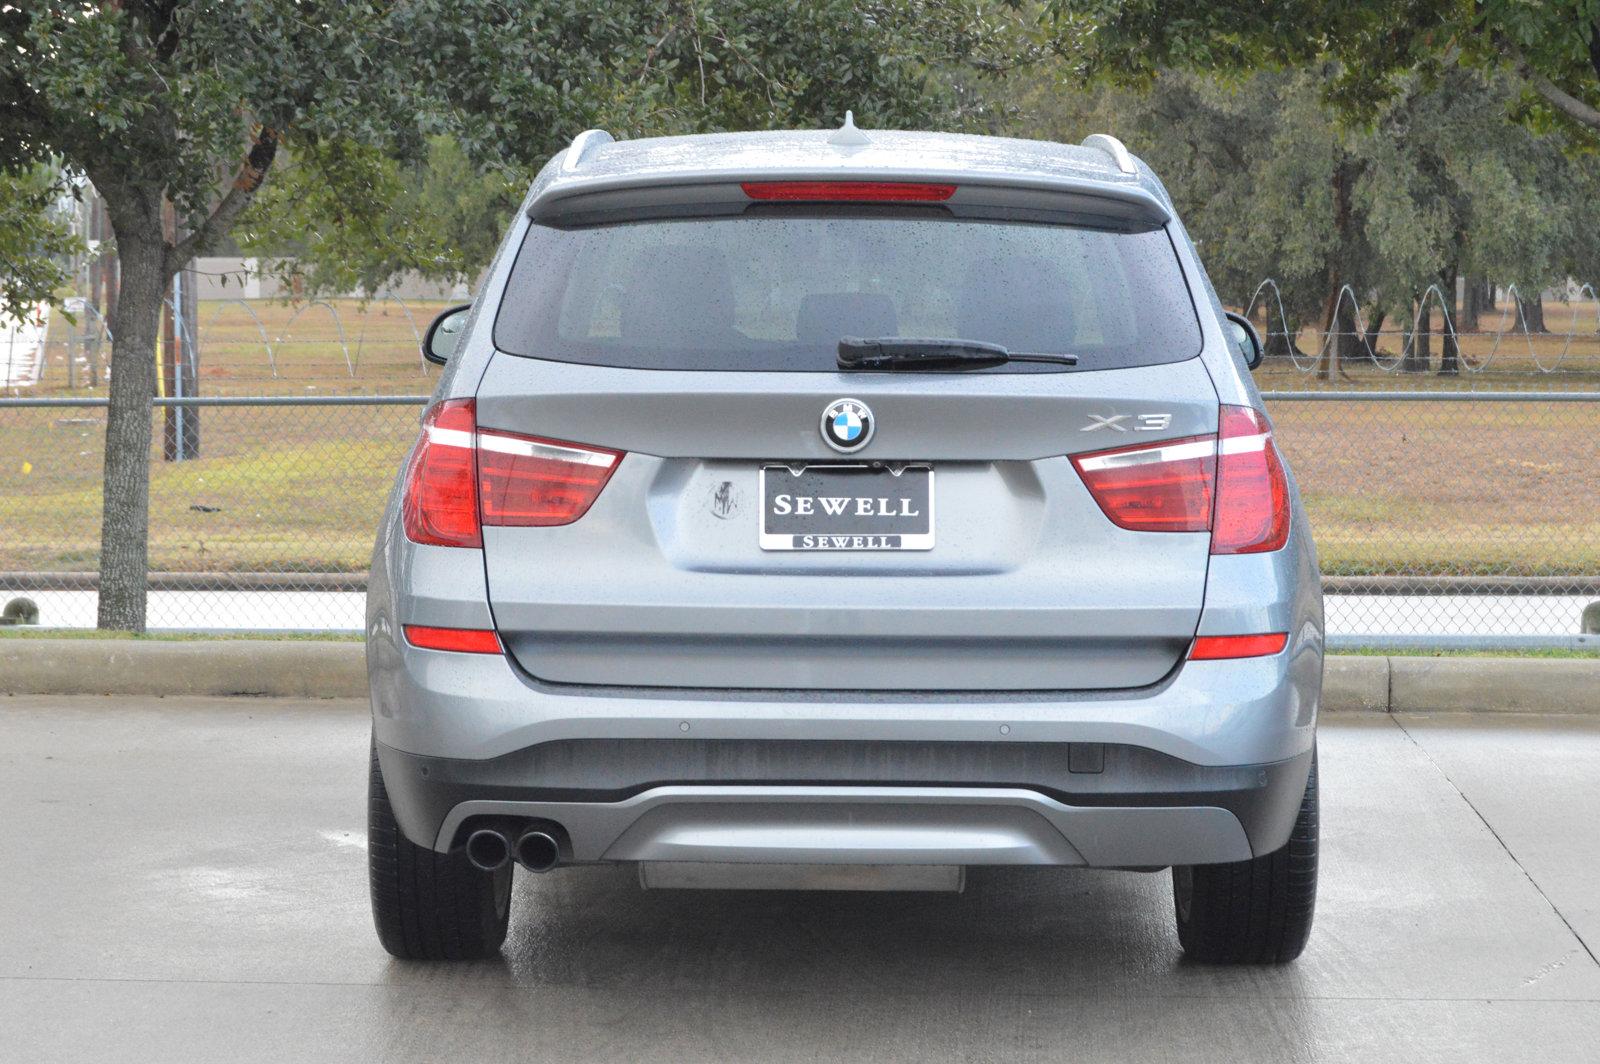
{"x":1272,"y":185}
{"x":36,"y":237}
{"x":355,"y":215}
{"x":1377,"y":44}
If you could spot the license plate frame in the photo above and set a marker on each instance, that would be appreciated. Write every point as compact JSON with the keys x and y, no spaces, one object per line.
{"x":854,"y":531}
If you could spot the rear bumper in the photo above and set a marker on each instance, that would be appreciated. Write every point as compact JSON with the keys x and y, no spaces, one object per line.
{"x":1207,"y":765}
{"x":1085,"y":804}
{"x":1250,"y":711}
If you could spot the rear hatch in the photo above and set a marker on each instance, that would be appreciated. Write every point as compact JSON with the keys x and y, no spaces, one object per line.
{"x":734,"y":546}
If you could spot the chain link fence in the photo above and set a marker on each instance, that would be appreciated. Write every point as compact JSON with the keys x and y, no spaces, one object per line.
{"x":1456,"y":501}
{"x":1450,"y":518}
{"x":1441,"y":518}
{"x":235,"y":347}
{"x":268,"y":524}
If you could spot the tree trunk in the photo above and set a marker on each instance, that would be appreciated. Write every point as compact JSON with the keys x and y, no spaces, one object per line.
{"x":1374,"y":332}
{"x":1334,"y":309}
{"x":1420,"y":357}
{"x":1341,"y":334}
{"x":146,"y":265}
{"x":1330,"y":322}
{"x":1348,"y":336}
{"x":1472,"y":304}
{"x":124,"y":527}
{"x":1281,"y":345}
{"x":1449,"y":347}
{"x":1532,"y":311}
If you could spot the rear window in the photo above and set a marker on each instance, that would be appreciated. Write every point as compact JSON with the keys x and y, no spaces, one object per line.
{"x":776,"y":290}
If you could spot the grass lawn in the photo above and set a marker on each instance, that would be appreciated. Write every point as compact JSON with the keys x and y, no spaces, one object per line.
{"x":1448,"y":487}
{"x":1471,"y":488}
{"x":277,"y":488}
{"x":264,"y":347}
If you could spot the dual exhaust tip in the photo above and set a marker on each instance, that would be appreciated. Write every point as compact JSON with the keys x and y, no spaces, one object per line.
{"x":490,"y":849}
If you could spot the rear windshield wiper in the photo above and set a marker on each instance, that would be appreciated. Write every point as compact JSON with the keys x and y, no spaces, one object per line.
{"x":894,"y":352}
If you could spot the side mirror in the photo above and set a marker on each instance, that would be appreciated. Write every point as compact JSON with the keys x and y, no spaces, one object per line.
{"x":440,"y":341}
{"x":1245,"y":339}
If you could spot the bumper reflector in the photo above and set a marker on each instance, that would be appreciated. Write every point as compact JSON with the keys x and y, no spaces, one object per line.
{"x":1214,"y":647}
{"x":461,"y":640}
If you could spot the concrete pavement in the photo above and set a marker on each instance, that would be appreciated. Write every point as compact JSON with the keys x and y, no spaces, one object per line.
{"x":186,"y":882}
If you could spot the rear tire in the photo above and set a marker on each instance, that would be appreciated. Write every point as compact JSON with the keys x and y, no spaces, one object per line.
{"x":1257,"y":911}
{"x":427,"y":905}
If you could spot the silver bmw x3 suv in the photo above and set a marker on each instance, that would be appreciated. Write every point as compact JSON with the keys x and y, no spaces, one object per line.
{"x":840,"y":509}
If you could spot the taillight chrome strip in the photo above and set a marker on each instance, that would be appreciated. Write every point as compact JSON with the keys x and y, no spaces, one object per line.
{"x":526,"y":448}
{"x":1168,"y":452}
{"x":449,"y":437}
{"x":520,"y":446}
{"x":1246,"y":444}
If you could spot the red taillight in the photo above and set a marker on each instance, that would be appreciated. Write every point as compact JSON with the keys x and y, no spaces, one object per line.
{"x":1231,"y":483}
{"x":848,"y":191}
{"x":1252,"y":490}
{"x":1216,"y":647}
{"x":459,"y":479}
{"x":529,"y":481}
{"x":440,"y":506}
{"x":460,"y":640}
{"x":1161,"y":487}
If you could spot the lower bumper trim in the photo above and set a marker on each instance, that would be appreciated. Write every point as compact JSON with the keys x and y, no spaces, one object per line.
{"x":981,"y":802}
{"x":683,"y":875}
{"x":875,"y":825}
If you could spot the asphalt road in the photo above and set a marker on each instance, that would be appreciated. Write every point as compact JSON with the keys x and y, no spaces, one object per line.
{"x":185,"y":881}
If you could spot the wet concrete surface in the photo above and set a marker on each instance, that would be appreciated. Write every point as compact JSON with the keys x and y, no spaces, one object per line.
{"x":185,"y":881}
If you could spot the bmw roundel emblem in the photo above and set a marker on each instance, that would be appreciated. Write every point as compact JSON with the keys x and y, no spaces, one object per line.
{"x":847,"y":424}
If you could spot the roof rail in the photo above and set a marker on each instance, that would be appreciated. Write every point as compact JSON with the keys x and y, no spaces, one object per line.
{"x":1114,"y":148}
{"x":589,"y":138}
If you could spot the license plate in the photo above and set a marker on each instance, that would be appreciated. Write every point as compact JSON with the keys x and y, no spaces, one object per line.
{"x":846,"y":507}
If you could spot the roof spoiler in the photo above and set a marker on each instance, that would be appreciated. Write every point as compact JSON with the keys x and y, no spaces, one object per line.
{"x":627,"y":196}
{"x":1127,"y":208}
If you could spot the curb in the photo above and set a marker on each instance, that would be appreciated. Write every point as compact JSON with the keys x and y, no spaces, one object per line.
{"x":311,"y":669}
{"x":1501,"y":685}
{"x":1355,"y":683}
{"x":155,"y":669}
